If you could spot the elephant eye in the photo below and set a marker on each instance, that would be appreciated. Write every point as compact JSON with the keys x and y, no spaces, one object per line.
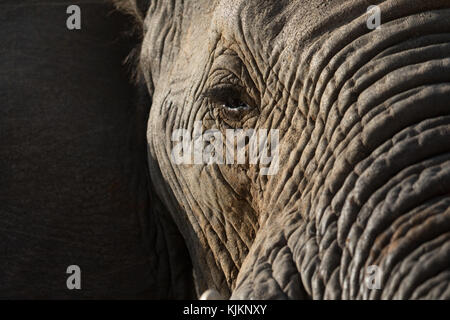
{"x":236,"y":104}
{"x":231,"y":104}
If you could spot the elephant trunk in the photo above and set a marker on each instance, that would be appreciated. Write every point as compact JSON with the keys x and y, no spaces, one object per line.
{"x":371,"y":215}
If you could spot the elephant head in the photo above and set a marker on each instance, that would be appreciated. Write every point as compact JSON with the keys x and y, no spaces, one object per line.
{"x":273,"y":149}
{"x":362,"y":117}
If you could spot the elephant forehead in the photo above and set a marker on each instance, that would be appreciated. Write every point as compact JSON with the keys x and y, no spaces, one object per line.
{"x":268,"y":20}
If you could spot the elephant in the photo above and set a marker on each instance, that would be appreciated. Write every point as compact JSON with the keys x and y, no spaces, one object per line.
{"x":353,"y":202}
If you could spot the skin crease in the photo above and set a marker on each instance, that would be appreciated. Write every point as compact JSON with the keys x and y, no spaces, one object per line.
{"x":364,"y":123}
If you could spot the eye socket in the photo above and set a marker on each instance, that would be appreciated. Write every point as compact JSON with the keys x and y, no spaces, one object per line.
{"x":231,"y":104}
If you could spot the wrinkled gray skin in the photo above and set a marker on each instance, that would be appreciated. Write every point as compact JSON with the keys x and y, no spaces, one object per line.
{"x":364,"y":120}
{"x":364,"y":177}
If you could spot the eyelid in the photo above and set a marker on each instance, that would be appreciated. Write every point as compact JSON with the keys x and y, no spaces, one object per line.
{"x":222,"y":93}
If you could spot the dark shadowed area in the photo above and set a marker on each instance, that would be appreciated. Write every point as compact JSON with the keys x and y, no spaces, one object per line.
{"x":73,"y":172}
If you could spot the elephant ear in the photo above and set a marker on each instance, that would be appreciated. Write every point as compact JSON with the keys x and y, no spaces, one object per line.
{"x":136,"y":8}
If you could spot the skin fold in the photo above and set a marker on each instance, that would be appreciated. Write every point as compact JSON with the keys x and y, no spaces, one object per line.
{"x":364,"y":160}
